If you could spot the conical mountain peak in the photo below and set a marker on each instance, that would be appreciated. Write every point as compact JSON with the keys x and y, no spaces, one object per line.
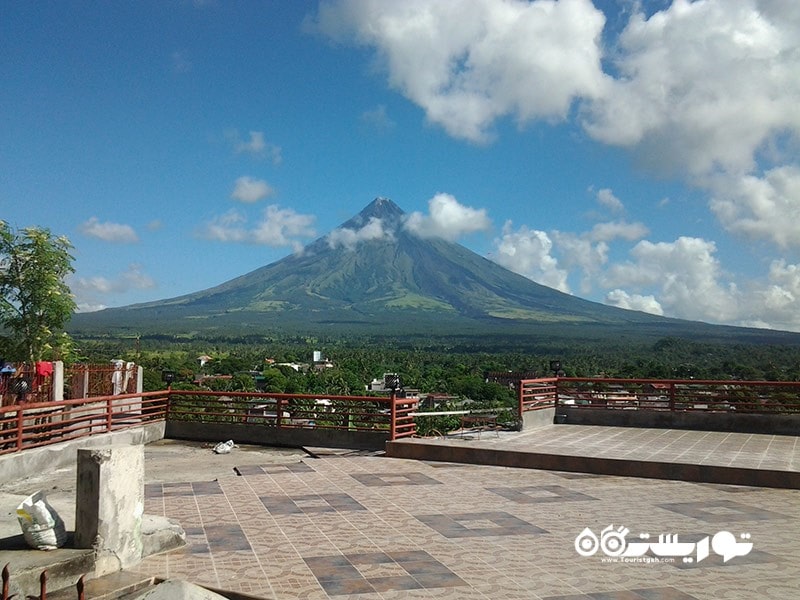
{"x":369,"y":274}
{"x":380,"y":208}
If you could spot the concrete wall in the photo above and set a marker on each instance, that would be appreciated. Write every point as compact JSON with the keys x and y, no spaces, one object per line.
{"x":275,"y":436}
{"x":700,"y":421}
{"x":538,"y":418}
{"x":109,"y":505}
{"x":419,"y":449}
{"x":38,"y":460}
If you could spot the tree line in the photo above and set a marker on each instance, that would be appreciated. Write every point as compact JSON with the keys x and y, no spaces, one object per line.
{"x":438,"y":367}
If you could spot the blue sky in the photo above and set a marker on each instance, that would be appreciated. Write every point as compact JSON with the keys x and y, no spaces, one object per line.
{"x":640,"y":154}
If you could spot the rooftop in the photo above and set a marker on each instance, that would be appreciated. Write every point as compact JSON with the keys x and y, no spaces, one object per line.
{"x":287,"y":524}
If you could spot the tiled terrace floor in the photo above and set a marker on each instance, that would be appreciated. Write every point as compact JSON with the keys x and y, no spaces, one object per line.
{"x":370,"y":527}
{"x":755,"y":451}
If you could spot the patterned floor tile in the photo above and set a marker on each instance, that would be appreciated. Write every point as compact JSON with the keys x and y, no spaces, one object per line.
{"x":310,"y":504}
{"x":480,"y":524}
{"x":394,"y":479}
{"x":537,"y":494}
{"x":723,"y":511}
{"x":380,"y":572}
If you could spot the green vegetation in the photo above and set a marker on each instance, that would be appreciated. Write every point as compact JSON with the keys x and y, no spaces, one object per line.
{"x":455,"y":366}
{"x":35,"y":302}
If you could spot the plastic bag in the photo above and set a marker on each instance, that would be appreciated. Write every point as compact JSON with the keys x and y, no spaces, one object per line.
{"x":42,"y":527}
{"x":224,"y":447}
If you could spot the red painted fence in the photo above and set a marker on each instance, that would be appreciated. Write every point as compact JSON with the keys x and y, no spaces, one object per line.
{"x":30,"y":425}
{"x":537,"y":394}
{"x":763,"y":397}
{"x":353,"y":413}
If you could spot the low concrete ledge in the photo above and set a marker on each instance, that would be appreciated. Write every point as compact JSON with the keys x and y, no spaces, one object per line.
{"x":777,"y":424}
{"x":538,"y":418}
{"x":33,"y":461}
{"x":64,"y":566}
{"x":291,"y":437}
{"x":67,"y":564}
{"x":421,"y":450}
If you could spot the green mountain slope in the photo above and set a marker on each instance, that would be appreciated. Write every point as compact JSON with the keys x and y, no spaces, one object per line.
{"x":398,"y":283}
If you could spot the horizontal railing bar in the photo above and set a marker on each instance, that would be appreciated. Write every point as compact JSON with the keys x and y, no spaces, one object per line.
{"x":38,"y":424}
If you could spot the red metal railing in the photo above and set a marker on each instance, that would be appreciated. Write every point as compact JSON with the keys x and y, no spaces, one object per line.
{"x":4,"y":594}
{"x":536,"y":394}
{"x":25,"y":426}
{"x":352,"y":413}
{"x":766,"y":397}
{"x":32,"y":425}
{"x":403,"y":421}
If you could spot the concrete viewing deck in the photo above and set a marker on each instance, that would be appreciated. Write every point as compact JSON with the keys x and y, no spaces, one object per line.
{"x":700,"y":456}
{"x":356,"y":525}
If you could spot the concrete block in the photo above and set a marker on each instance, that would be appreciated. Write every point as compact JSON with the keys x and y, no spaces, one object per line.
{"x":538,"y":418}
{"x":109,"y":505}
{"x":160,"y":534}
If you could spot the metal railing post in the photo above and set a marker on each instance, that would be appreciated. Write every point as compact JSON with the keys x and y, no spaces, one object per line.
{"x":43,"y":585}
{"x":6,"y":577}
{"x":168,"y":402}
{"x":393,"y":416}
{"x":555,"y":392}
{"x":20,"y":422}
{"x":108,"y":414}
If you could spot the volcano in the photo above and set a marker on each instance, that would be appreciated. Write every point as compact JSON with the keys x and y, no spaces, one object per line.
{"x":372,"y":276}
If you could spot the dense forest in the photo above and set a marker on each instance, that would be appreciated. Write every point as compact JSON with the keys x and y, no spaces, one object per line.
{"x":455,"y":366}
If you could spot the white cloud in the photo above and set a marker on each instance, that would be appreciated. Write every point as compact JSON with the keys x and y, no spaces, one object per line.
{"x":229,"y":227}
{"x":588,"y":251}
{"x":682,"y":279}
{"x":255,"y":145}
{"x":283,"y":227}
{"x":89,"y":290}
{"x":249,"y":189}
{"x":448,"y":219}
{"x":701,"y":86}
{"x":606,"y":232}
{"x":350,"y":238}
{"x":277,"y":228}
{"x":581,"y":252}
{"x":378,"y":119}
{"x":706,"y":89}
{"x":607,"y":199}
{"x":109,"y":232}
{"x":685,"y":277}
{"x":468,"y":63}
{"x":527,"y":252}
{"x":761,"y":208}
{"x":776,"y":304}
{"x":622,"y":299}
